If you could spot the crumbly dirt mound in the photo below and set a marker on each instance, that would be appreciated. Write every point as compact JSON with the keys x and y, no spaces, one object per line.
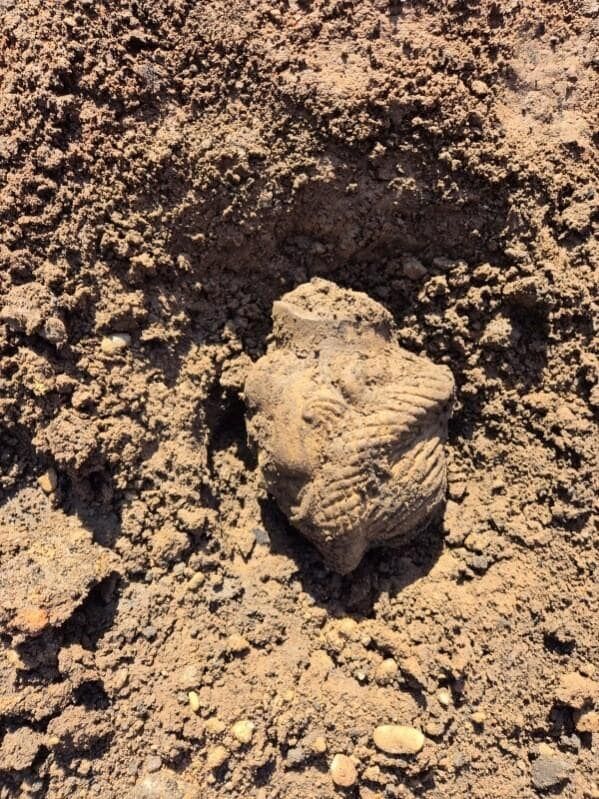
{"x":168,"y":170}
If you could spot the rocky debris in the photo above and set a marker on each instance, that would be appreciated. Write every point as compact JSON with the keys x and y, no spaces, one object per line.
{"x":115,"y":343}
{"x":386,"y":671}
{"x":343,"y":771}
{"x":164,"y":785}
{"x":395,"y":739}
{"x":19,"y":749}
{"x":48,"y":481}
{"x":548,"y":770}
{"x":53,"y":565}
{"x":243,"y":731}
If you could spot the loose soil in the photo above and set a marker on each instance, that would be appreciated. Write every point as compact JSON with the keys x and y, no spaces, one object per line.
{"x":169,"y":169}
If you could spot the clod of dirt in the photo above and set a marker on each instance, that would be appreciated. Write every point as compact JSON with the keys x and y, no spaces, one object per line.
{"x":31,"y":308}
{"x":349,"y":426}
{"x":53,"y":565}
{"x":19,"y":749}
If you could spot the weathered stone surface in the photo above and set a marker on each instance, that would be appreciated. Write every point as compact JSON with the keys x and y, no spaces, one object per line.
{"x":349,"y":426}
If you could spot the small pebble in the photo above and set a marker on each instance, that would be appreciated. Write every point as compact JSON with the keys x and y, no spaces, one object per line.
{"x":386,"y":671}
{"x":217,"y":756}
{"x":48,"y":481}
{"x":394,"y":739}
{"x":413,"y":268}
{"x":318,"y":745}
{"x":114,"y":343}
{"x":444,"y":697}
{"x":343,"y":771}
{"x":478,"y":717}
{"x":194,"y":701}
{"x":243,"y":730}
{"x":348,"y":628}
{"x":153,"y":764}
{"x":214,"y":725}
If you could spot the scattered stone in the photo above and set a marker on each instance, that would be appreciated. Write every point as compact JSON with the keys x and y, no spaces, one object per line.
{"x":163,"y":785}
{"x":317,"y":744}
{"x":444,"y":697}
{"x":194,"y":701}
{"x":215,"y":726}
{"x":548,"y":771}
{"x":237,"y":644}
{"x":217,"y":757}
{"x":153,"y":764}
{"x":114,"y":343}
{"x":48,"y":481}
{"x":348,"y":628}
{"x":343,"y":771}
{"x":478,"y":717}
{"x":413,"y":268}
{"x":394,"y":739}
{"x":243,"y":731}
{"x":386,"y":671}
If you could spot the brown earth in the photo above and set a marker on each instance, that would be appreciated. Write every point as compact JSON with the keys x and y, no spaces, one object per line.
{"x":167,"y":170}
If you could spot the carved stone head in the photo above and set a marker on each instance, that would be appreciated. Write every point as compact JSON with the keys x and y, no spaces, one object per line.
{"x":349,"y":426}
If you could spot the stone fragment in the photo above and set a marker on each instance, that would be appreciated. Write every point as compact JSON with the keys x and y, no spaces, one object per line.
{"x":194,"y":701}
{"x":48,"y":481}
{"x":243,"y":731}
{"x":395,"y":739}
{"x":548,"y":771}
{"x":343,"y":772}
{"x":386,"y":671}
{"x":217,"y":757}
{"x":115,"y":343}
{"x":413,"y":268}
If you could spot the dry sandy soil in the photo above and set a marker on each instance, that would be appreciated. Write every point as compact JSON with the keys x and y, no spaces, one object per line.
{"x":168,"y":168}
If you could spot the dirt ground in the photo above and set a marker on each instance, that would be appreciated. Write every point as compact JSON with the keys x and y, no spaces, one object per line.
{"x":168,"y":168}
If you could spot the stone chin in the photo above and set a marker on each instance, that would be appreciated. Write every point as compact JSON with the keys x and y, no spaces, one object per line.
{"x":349,"y":426}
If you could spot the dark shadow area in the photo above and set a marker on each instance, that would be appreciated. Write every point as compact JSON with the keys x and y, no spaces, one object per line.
{"x":94,"y":616}
{"x":385,"y":569}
